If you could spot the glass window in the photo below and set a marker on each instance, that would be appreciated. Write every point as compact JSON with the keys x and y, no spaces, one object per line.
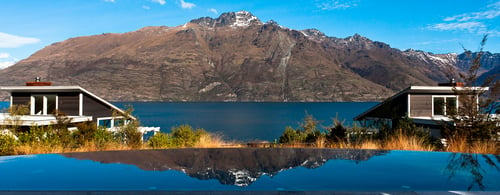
{"x":44,"y":104}
{"x":445,"y":105}
{"x":451,"y":106}
{"x":119,"y":122}
{"x":38,"y":104}
{"x":51,"y":104}
{"x":438,"y":105}
{"x":104,"y":123}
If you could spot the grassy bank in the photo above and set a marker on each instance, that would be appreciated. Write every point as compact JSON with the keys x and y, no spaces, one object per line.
{"x":404,"y":136}
{"x":403,"y":142}
{"x":54,"y":139}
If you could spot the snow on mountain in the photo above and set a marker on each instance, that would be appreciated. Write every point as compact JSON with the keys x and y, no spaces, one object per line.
{"x":242,"y":178}
{"x":314,"y":34}
{"x":442,"y":60}
{"x":231,"y":19}
{"x":244,"y":19}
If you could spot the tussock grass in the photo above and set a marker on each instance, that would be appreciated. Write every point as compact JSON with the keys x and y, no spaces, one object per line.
{"x":398,"y":141}
{"x":485,"y":147}
{"x":37,"y":149}
{"x":461,"y":144}
{"x":369,"y":144}
{"x":90,"y":146}
{"x":340,"y":145}
{"x":210,"y":141}
{"x":457,"y":144}
{"x":402,"y":141}
{"x":320,"y":142}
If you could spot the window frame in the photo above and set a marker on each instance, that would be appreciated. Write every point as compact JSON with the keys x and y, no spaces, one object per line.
{"x":445,"y":97}
{"x":45,"y":103}
{"x":112,"y":121}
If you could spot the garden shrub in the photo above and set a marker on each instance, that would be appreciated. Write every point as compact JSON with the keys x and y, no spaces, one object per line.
{"x":131,"y":134}
{"x":7,"y":144}
{"x":85,"y":133}
{"x":34,"y":135}
{"x":161,"y":140}
{"x":185,"y":136}
{"x":102,"y":137}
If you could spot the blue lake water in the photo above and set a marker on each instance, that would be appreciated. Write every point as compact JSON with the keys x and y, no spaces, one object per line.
{"x":241,"y":121}
{"x":244,"y":121}
{"x":251,"y":169}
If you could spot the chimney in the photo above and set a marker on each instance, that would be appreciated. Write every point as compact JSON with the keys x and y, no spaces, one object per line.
{"x":452,"y":83}
{"x":38,"y":82}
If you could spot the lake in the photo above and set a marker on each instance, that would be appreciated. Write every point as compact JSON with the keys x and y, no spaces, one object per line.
{"x":242,"y":121}
{"x":251,"y":169}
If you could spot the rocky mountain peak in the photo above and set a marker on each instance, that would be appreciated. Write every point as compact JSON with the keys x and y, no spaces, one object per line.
{"x":488,"y":60}
{"x":313,"y":32}
{"x":231,"y":19}
{"x":272,"y":22}
{"x":244,"y":18}
{"x":357,"y":38}
{"x":358,"y":41}
{"x":437,"y":59}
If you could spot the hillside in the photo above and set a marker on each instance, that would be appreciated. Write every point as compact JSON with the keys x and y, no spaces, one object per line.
{"x":234,"y":57}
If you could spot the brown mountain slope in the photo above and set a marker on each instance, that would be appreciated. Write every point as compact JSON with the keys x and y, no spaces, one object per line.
{"x":232,"y":58}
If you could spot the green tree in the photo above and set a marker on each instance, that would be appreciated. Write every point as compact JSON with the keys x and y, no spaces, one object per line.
{"x":308,"y":132}
{"x":129,"y":133}
{"x":338,"y":133}
{"x":476,"y":102}
{"x":310,"y":129}
{"x":132,"y":136}
{"x":291,"y":136}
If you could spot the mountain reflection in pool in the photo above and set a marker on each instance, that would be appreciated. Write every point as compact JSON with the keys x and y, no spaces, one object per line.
{"x":252,"y":169}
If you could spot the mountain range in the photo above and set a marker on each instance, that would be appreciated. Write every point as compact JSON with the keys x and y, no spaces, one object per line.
{"x":236,"y":57}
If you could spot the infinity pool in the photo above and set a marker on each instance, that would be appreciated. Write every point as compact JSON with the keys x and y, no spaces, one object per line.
{"x":251,"y":169}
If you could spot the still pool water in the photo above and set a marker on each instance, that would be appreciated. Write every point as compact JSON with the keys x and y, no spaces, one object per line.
{"x":251,"y":169}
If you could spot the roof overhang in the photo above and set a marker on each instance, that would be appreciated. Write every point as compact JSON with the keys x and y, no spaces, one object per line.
{"x":41,"y":89}
{"x":386,"y":101}
{"x":442,"y":89}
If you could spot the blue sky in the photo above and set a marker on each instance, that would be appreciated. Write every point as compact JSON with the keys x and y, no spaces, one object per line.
{"x":438,"y":26}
